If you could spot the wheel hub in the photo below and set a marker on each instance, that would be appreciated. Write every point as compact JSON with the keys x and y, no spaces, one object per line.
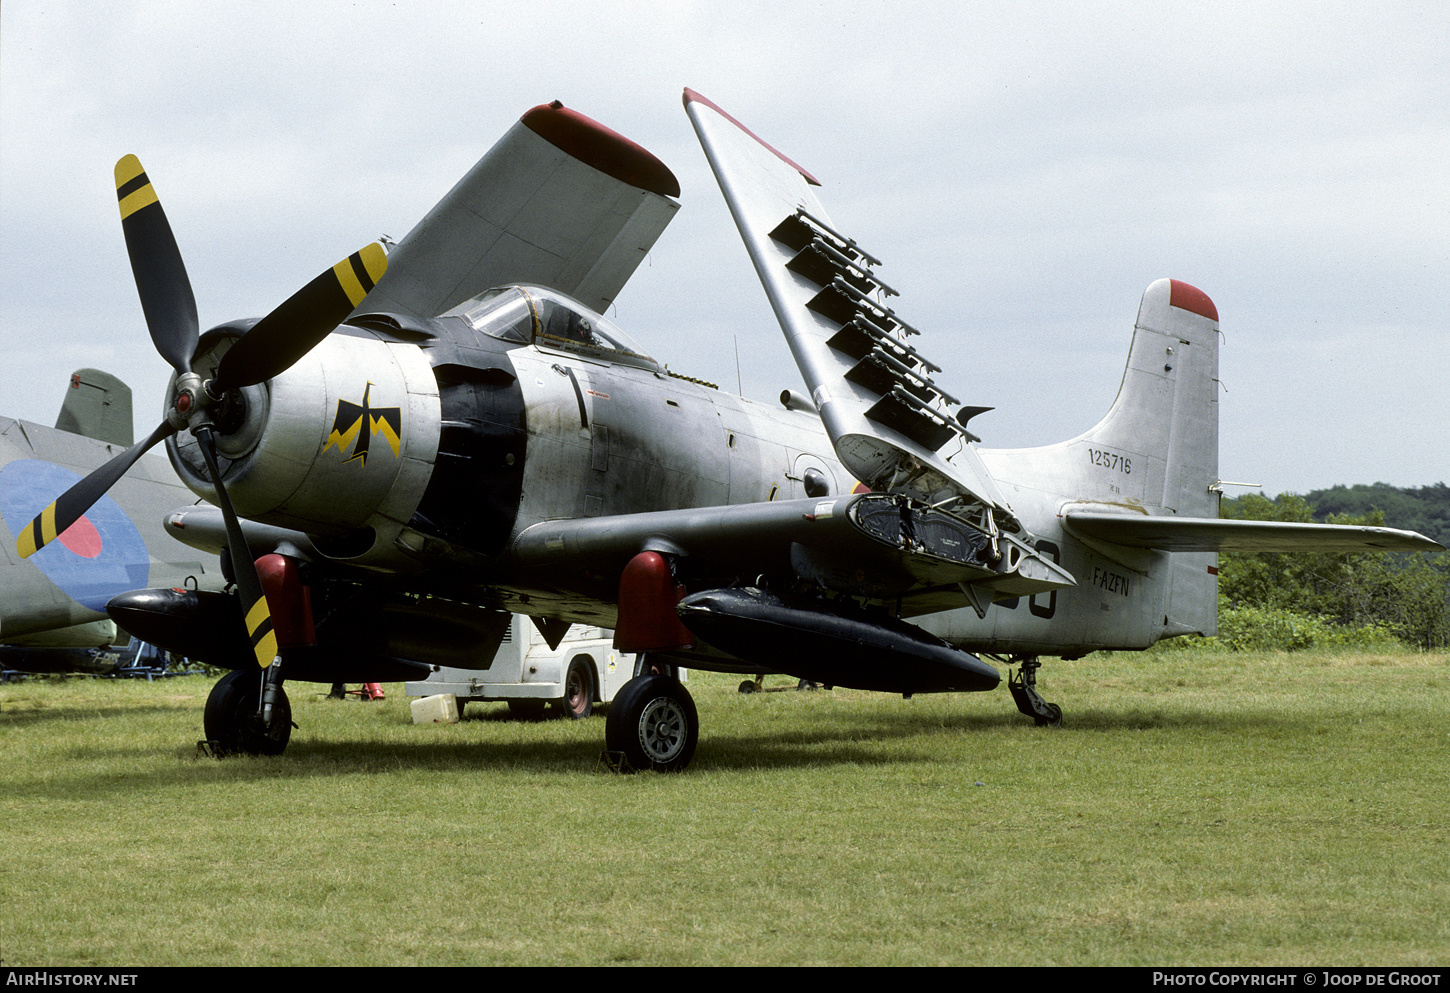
{"x":662,"y":729}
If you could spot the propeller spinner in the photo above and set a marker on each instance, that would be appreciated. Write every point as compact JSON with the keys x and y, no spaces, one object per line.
{"x":271,"y":347}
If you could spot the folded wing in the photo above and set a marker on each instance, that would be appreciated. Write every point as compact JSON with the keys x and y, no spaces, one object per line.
{"x":560,"y":201}
{"x":887,"y":419}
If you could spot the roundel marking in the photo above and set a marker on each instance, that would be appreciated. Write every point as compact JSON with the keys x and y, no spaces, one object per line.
{"x":83,"y":539}
{"x":96,"y":558}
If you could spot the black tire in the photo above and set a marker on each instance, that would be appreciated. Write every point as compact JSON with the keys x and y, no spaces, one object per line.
{"x":653,"y":721}
{"x":748,"y":686}
{"x":229,"y":714}
{"x":577,"y":702}
{"x":527,"y":709}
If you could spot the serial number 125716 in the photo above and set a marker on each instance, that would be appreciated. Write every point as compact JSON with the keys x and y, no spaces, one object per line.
{"x":1110,"y":460}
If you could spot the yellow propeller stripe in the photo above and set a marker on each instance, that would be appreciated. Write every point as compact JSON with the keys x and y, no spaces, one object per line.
{"x":128,"y":173}
{"x":266,"y":649}
{"x":348,"y":280}
{"x":144,"y":197}
{"x":37,"y":534}
{"x":257,"y":615}
{"x":374,"y":262}
{"x":127,"y":169}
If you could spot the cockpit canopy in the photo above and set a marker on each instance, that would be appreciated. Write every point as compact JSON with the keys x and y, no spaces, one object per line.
{"x":545,"y":317}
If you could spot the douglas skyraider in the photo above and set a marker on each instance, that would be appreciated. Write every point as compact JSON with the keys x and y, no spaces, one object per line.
{"x":419,"y":442}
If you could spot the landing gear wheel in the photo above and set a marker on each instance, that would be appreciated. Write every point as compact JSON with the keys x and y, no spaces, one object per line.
{"x":231,"y":718}
{"x":1023,"y":685}
{"x":748,"y":686}
{"x":653,"y":721}
{"x":577,"y":702}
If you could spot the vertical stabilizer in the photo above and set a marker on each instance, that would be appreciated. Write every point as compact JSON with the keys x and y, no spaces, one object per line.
{"x":97,"y":405}
{"x":1166,"y":411}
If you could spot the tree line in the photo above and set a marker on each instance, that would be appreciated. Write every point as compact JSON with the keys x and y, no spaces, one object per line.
{"x":1302,"y":600}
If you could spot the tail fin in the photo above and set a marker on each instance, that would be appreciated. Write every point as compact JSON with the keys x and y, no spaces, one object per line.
{"x":97,"y":405}
{"x":1166,"y":410}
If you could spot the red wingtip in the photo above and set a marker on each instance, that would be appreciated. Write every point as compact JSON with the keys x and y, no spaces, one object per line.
{"x":1191,"y":299}
{"x":595,"y":145}
{"x":692,"y":97}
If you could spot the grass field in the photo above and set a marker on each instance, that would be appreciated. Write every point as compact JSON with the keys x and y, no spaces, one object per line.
{"x":1194,"y":809}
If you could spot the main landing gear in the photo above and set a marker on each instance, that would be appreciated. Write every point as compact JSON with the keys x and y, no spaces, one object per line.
{"x":232,"y":722}
{"x":1023,"y":685}
{"x":653,"y":722}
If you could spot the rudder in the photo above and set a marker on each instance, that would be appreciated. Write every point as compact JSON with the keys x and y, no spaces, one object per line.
{"x":1166,"y":410}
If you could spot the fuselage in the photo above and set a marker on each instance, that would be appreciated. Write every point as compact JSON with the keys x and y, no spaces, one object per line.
{"x":421,"y":451}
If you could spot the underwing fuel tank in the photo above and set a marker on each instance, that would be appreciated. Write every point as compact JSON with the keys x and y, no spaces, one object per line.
{"x":341,"y":445}
{"x":834,"y":644}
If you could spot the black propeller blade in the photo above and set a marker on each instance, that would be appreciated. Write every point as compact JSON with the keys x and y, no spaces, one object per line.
{"x":269,"y":349}
{"x":166,"y":296}
{"x":256,"y":615}
{"x":304,"y":319}
{"x":71,"y":505}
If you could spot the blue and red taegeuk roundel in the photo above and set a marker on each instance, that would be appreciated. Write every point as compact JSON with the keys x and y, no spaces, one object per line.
{"x":97,"y":557}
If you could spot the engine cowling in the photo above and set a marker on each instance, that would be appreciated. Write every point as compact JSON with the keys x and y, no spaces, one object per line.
{"x":341,"y":446}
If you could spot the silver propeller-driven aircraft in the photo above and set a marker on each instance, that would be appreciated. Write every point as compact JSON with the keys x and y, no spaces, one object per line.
{"x":418,"y":443}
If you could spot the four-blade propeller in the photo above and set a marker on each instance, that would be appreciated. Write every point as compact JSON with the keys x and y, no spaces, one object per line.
{"x":270,"y":348}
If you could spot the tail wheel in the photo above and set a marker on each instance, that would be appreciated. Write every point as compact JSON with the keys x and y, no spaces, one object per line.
{"x":577,"y":702}
{"x":231,"y":721}
{"x":653,"y":721}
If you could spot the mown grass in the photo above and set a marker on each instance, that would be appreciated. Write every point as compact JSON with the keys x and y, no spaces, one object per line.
{"x":1196,"y":808}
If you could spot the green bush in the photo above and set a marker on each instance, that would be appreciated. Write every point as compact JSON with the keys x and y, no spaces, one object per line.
{"x":1263,"y":629}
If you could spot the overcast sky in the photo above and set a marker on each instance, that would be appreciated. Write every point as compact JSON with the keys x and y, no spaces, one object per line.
{"x":1024,"y":172}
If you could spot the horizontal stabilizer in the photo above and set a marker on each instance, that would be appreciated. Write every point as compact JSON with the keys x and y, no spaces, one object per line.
{"x":1204,"y":534}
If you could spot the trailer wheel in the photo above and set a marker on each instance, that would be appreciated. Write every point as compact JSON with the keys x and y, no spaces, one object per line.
{"x":653,"y":721}
{"x":577,"y":702}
